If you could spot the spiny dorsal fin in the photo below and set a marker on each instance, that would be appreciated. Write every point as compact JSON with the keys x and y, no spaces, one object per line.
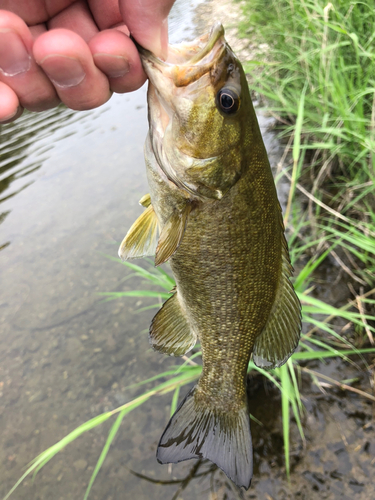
{"x":170,"y":332}
{"x":171,"y":234}
{"x":196,"y":431}
{"x":141,"y":238}
{"x":282,"y":331}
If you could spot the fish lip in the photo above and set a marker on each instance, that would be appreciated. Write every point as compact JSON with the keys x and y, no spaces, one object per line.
{"x":216,"y":32}
{"x":147,"y":54}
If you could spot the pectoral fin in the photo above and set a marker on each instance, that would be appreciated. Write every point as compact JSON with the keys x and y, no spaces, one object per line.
{"x":282,"y":331}
{"x":171,"y":234}
{"x":214,"y":178}
{"x":170,"y":331}
{"x":141,"y":238}
{"x":145,"y":201}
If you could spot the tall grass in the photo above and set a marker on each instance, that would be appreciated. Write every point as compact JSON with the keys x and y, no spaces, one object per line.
{"x":327,"y":51}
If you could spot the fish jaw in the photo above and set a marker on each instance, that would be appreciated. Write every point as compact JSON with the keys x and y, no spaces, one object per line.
{"x":188,"y":61}
{"x":197,"y":146}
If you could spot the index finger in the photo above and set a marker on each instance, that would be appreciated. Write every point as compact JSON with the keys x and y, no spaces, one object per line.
{"x":147,"y":22}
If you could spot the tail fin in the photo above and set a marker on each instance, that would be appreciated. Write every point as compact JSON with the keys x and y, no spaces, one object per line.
{"x":223,"y":438}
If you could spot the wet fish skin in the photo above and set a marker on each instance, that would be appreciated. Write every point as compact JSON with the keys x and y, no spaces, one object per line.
{"x":214,"y":199}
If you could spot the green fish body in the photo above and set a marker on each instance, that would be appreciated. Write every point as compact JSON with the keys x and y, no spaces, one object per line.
{"x":213,"y":198}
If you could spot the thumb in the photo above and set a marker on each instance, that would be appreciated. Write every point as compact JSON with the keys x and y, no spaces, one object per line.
{"x":147,"y":22}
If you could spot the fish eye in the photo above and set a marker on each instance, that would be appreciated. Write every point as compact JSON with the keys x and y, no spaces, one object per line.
{"x":228,"y":100}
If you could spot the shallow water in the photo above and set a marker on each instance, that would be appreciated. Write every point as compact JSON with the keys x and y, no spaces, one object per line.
{"x":69,"y":190}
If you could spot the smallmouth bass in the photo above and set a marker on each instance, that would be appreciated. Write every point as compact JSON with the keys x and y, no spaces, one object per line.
{"x":213,"y":199}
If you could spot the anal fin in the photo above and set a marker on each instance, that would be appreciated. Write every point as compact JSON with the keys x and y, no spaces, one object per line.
{"x":141,"y":239}
{"x":171,"y":234}
{"x":170,"y":331}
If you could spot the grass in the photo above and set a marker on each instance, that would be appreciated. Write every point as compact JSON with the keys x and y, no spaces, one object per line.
{"x":324,"y":52}
{"x":317,"y":77}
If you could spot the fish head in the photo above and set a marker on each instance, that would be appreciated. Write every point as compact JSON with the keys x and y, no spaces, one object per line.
{"x":200,"y":114}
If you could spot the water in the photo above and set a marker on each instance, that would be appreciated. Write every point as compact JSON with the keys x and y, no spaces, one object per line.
{"x":69,"y":189}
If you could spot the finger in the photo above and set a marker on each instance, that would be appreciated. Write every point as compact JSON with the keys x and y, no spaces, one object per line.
{"x":68,"y":62}
{"x":106,"y":14}
{"x":116,"y":56}
{"x":113,"y":51}
{"x":10,"y":108}
{"x":18,"y":69}
{"x":147,"y":22}
{"x":77,"y":17}
{"x":35,"y":12}
{"x":37,"y":30}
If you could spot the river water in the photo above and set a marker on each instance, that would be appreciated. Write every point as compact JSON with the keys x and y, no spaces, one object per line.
{"x":69,"y":189}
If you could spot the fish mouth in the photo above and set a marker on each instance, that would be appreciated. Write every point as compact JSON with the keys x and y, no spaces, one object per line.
{"x":187,"y":62}
{"x":168,"y":99}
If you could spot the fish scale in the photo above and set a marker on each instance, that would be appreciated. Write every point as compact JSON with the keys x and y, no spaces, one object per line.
{"x":213,"y":197}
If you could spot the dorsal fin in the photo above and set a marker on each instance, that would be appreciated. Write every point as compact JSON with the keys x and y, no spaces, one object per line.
{"x":140,"y":240}
{"x":282,"y":331}
{"x":171,"y":234}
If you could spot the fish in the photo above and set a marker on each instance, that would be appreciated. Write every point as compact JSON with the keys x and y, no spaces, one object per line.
{"x":213,"y":213}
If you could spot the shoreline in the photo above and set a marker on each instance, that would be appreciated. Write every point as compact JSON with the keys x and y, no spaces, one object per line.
{"x":229,"y":13}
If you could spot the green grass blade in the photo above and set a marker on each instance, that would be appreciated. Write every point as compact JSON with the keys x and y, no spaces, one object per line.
{"x":285,"y":399}
{"x":296,"y":402}
{"x":175,"y":400}
{"x":299,"y":123}
{"x":112,"y":433}
{"x":296,"y":152}
{"x":153,"y":306}
{"x":134,"y":293}
{"x":267,"y":374}
{"x":303,"y":278}
{"x":162,"y":388}
{"x":307,"y":356}
{"x":46,"y":456}
{"x":295,"y":384}
{"x":254,"y":419}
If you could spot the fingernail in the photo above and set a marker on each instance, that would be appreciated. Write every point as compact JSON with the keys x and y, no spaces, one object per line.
{"x":159,"y":39}
{"x":10,"y":116}
{"x":14,"y":58}
{"x":156,"y":39}
{"x":63,"y":71}
{"x":112,"y":66}
{"x":164,"y":40}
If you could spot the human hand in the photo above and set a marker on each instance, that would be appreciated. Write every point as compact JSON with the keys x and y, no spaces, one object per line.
{"x":75,"y":52}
